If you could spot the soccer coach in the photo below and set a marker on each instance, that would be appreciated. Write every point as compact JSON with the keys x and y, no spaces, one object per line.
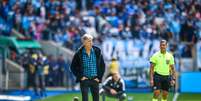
{"x":88,"y":66}
{"x":162,"y":72}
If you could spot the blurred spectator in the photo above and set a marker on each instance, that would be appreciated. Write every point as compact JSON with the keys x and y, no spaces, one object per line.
{"x":54,"y":71}
{"x":62,"y":65}
{"x":187,"y":32}
{"x":41,"y":65}
{"x":61,"y":21}
{"x":186,"y":52}
{"x":31,"y":82}
{"x":113,"y":67}
{"x":69,"y":77}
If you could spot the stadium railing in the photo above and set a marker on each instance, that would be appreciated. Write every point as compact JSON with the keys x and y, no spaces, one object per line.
{"x":15,"y":76}
{"x":17,"y":34}
{"x":52,"y":48}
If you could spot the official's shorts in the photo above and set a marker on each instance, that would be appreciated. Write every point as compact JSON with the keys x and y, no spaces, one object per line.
{"x":161,"y":82}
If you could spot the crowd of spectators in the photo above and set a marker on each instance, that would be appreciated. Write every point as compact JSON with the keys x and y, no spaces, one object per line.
{"x":65,"y":20}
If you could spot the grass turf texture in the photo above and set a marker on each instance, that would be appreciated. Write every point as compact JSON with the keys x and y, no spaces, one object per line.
{"x":136,"y":97}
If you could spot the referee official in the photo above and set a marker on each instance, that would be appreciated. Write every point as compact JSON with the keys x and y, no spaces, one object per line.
{"x":162,"y":72}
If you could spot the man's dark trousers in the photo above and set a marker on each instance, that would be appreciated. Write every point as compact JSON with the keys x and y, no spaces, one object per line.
{"x":91,"y":84}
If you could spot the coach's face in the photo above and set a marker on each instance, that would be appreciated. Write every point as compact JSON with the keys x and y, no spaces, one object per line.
{"x":163,"y":46}
{"x":88,"y":43}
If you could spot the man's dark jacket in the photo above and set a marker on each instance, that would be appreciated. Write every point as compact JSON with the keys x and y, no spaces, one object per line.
{"x":77,"y":64}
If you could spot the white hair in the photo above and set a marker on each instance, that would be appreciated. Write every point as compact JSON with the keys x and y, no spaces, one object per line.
{"x":87,"y":36}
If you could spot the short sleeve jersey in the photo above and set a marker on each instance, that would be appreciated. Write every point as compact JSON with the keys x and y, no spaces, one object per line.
{"x":162,"y":62}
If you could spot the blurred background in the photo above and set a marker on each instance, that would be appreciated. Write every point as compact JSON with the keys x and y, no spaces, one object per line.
{"x":39,"y":37}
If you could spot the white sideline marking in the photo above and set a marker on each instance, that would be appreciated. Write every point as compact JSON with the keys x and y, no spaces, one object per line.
{"x":175,"y":96}
{"x":15,"y":98}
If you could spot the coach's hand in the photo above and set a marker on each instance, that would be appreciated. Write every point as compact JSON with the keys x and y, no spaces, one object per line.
{"x":152,"y":82}
{"x":96,"y":79}
{"x":84,"y":78}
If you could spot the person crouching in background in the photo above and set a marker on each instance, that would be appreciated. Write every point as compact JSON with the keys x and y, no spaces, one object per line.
{"x":113,"y":86}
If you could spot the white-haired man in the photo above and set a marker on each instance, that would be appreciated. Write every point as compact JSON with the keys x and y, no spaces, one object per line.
{"x":88,"y":66}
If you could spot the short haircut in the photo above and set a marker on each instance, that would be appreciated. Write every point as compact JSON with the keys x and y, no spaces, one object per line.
{"x":163,"y":41}
{"x":114,"y":59}
{"x":86,"y":36}
{"x":116,"y":73}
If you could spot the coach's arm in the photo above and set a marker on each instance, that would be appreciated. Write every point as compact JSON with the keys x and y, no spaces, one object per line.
{"x":75,"y":67}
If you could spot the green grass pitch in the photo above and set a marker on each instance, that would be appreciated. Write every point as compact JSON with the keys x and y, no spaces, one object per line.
{"x":135,"y":96}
